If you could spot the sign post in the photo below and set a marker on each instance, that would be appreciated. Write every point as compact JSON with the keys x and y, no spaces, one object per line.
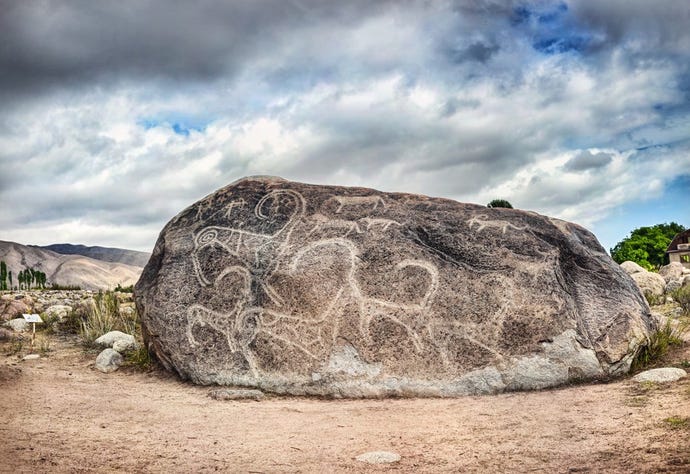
{"x":33,"y":319}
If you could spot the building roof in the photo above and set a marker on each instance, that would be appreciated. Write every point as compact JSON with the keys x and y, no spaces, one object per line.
{"x":680,"y":238}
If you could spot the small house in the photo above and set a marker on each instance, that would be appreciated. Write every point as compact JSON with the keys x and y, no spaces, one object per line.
{"x":679,"y":249}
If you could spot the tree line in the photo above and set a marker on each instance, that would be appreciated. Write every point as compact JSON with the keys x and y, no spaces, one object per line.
{"x":26,"y":279}
{"x":647,"y":246}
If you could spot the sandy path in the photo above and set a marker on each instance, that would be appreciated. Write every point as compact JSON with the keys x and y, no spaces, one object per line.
{"x":60,"y":414}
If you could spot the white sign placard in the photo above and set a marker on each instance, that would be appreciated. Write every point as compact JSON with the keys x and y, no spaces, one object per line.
{"x":32,"y":318}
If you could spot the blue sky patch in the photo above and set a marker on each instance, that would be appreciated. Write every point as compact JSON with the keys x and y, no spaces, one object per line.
{"x":180,"y":125}
{"x":559,"y":45}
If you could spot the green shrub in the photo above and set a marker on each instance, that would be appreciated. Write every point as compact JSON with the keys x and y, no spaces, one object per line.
{"x":500,"y":203}
{"x":658,"y":345}
{"x":72,"y":323}
{"x":124,"y":289}
{"x":652,"y":299}
{"x":56,"y":286}
{"x":139,"y":358}
{"x":49,"y":323}
{"x":682,"y":297}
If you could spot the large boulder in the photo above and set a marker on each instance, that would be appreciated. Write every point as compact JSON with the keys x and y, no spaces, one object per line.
{"x":11,"y":308}
{"x":672,"y":271}
{"x":325,"y":290}
{"x":632,"y":267}
{"x":650,"y":283}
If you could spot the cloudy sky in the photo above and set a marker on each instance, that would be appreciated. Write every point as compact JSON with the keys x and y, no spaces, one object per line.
{"x":114,"y":116}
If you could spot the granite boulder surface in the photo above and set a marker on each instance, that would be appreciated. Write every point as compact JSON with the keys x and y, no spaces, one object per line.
{"x":351,"y":292}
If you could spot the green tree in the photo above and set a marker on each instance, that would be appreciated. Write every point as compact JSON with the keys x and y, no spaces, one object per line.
{"x":646,"y":246}
{"x":500,"y":203}
{"x":9,"y":274}
{"x":3,"y":275}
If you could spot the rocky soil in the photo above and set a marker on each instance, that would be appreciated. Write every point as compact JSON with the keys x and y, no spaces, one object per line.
{"x":62,"y":415}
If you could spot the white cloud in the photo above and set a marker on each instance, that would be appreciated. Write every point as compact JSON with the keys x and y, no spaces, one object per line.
{"x":457,"y":102}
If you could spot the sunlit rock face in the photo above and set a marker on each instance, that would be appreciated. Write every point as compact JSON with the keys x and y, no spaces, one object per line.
{"x":350,"y":292}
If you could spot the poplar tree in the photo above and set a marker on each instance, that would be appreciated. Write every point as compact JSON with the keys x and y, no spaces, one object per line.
{"x":3,"y":275}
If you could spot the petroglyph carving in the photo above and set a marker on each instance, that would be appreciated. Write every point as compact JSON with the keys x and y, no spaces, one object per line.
{"x":383,"y":224}
{"x":250,"y":249}
{"x":406,"y":315}
{"x":236,"y":204}
{"x":324,"y":223}
{"x":255,"y":257}
{"x":482,"y":221}
{"x":347,"y":201}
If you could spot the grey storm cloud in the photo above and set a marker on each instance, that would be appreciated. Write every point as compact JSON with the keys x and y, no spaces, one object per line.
{"x":127,"y":112}
{"x":61,"y":44}
{"x":587,"y":160}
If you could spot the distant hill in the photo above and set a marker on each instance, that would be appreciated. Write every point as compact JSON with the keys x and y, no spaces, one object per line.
{"x":106,"y":254}
{"x":88,"y":273}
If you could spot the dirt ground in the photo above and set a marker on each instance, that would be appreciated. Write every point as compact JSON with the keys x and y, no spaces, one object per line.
{"x":61,"y":415}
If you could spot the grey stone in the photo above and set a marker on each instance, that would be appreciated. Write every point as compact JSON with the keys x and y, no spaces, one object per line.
{"x":663,"y":375}
{"x":378,"y":457}
{"x":125,"y":345}
{"x":686,"y":280}
{"x":236,"y":394}
{"x":19,"y":325}
{"x":672,"y":271}
{"x":108,"y":339}
{"x":632,"y":267}
{"x":109,"y":361}
{"x":31,"y":357}
{"x":673,"y":285}
{"x":349,"y":292}
{"x":59,"y":311}
{"x":650,"y":282}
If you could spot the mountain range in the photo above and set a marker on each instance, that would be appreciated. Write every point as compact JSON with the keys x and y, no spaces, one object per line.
{"x":87,"y":267}
{"x":105,"y":254}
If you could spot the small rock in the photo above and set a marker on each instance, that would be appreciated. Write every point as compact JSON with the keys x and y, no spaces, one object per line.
{"x":108,"y":339}
{"x":236,"y":394}
{"x":378,"y":457}
{"x":59,"y":310}
{"x":125,"y":345}
{"x":673,"y":285}
{"x":109,"y":361}
{"x":666,"y":374}
{"x":19,"y":325}
{"x":31,"y":357}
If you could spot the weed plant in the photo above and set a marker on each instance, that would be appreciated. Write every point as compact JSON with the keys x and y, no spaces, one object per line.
{"x":652,"y":299}
{"x":677,"y":422}
{"x":659,"y":343}
{"x":104,"y":316}
{"x":139,"y":358}
{"x":682,"y":297}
